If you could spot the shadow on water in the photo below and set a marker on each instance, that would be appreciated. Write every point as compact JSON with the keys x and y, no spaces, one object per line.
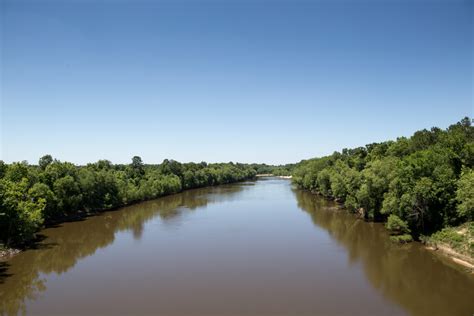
{"x":409,"y":275}
{"x":59,"y":248}
{"x":3,"y":271}
{"x":41,"y":243}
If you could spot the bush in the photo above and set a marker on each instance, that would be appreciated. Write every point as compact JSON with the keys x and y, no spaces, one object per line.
{"x":459,"y":238}
{"x":465,"y":194}
{"x":397,"y":225}
{"x":405,"y":238}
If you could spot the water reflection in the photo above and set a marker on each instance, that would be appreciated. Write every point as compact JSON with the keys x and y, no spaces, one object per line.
{"x":3,"y":271}
{"x":257,"y":256}
{"x":22,"y":278}
{"x":409,"y":275}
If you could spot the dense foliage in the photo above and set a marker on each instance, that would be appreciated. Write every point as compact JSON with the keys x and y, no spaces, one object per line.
{"x":280,"y":170}
{"x":31,"y":195}
{"x":418,"y":185}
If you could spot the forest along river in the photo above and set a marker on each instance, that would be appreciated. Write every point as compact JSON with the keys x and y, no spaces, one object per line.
{"x":253,"y":248}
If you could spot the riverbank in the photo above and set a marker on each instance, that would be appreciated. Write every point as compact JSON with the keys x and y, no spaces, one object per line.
{"x":272,"y":175}
{"x":457,"y":243}
{"x":6,"y":253}
{"x":32,"y":195}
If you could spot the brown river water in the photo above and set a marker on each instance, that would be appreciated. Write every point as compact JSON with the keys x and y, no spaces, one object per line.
{"x":253,"y":248}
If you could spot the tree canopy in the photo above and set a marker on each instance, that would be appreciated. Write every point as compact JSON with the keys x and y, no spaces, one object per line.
{"x":419,"y":184}
{"x":32,"y":195}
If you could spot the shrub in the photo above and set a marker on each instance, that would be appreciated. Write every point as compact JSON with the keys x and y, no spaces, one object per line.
{"x":396,"y":225}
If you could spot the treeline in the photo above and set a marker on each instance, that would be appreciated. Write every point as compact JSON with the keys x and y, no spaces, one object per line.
{"x":32,"y":195}
{"x":417,"y":185}
{"x":280,"y":170}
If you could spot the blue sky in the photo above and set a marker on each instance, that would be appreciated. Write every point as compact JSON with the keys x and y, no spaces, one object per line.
{"x":248,"y":81}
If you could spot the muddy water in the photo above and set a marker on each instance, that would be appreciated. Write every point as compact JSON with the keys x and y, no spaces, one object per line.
{"x":255,"y":248}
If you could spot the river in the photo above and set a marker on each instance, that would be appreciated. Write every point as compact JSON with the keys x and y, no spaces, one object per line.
{"x":254,"y":248}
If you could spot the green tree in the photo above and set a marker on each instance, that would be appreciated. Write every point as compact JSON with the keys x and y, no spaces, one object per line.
{"x":3,"y":168}
{"x":397,"y":225}
{"x":17,"y":171}
{"x":376,"y":178}
{"x":417,"y":179}
{"x":68,"y":194}
{"x":465,"y":194}
{"x":45,"y":161}
{"x":136,"y":169}
{"x":20,"y":215}
{"x":40,"y":191}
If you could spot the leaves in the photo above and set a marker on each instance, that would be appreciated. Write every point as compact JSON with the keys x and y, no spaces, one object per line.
{"x":465,"y":194}
{"x":29,"y":195}
{"x":416,"y":179}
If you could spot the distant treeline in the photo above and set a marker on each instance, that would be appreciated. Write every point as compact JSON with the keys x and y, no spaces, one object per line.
{"x":32,"y":195}
{"x":417,"y":185}
{"x":280,"y":170}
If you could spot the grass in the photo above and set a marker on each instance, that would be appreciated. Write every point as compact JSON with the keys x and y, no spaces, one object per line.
{"x":460,"y":238}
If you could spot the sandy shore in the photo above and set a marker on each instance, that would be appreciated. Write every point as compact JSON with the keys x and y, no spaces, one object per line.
{"x":272,"y":175}
{"x":7,"y":253}
{"x":455,"y":256}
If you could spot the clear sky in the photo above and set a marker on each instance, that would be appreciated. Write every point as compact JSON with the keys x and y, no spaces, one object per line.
{"x":248,"y":81}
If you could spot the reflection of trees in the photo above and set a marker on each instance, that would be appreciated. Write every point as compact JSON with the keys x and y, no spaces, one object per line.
{"x":3,"y":271}
{"x":64,"y":246}
{"x":408,"y":275}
